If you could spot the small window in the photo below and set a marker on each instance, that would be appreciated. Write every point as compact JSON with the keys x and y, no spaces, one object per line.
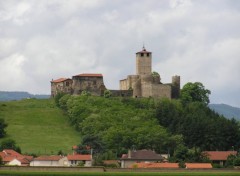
{"x":148,"y":54}
{"x":142,"y":54}
{"x":67,"y":83}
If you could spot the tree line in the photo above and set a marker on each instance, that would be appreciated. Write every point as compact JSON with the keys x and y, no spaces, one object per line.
{"x":183,"y":128}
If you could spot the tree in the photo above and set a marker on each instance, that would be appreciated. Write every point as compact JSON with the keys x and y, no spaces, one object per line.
{"x":107,"y":93}
{"x":10,"y":144}
{"x":195,"y":92}
{"x":3,"y":125}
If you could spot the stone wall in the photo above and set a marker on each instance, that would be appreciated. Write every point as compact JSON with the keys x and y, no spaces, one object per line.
{"x":122,"y":93}
{"x":94,"y":85}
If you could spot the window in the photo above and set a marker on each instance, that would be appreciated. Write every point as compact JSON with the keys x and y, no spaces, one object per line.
{"x":142,"y":54}
{"x":148,"y":54}
{"x":67,"y":83}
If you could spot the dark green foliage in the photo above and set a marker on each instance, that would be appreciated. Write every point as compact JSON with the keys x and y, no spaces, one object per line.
{"x":9,"y":144}
{"x":58,"y":97}
{"x":116,"y":123}
{"x":107,"y":94}
{"x":3,"y":125}
{"x":200,"y":126}
{"x":195,"y":92}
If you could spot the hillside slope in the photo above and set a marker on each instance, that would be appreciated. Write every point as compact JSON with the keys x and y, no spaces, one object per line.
{"x":38,"y":126}
{"x":226,"y":110}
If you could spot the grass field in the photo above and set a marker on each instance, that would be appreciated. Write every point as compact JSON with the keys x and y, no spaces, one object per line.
{"x":38,"y":126}
{"x":191,"y":173}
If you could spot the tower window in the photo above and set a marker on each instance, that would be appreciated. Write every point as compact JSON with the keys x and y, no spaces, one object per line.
{"x":142,"y":54}
{"x":148,"y":54}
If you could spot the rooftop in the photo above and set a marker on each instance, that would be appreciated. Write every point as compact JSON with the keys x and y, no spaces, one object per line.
{"x":60,"y":80}
{"x":219,"y":155}
{"x":90,"y":75}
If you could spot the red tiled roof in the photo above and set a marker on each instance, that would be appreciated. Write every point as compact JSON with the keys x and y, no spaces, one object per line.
{"x":198,"y":165}
{"x":90,"y":75}
{"x":142,"y":155}
{"x":155,"y":165}
{"x":48,"y":158}
{"x":11,"y":152}
{"x":8,"y":155}
{"x":79,"y":157}
{"x":60,"y":80}
{"x":219,"y":155}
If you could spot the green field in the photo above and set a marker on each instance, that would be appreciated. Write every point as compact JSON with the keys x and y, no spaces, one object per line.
{"x":191,"y":173}
{"x":38,"y":126}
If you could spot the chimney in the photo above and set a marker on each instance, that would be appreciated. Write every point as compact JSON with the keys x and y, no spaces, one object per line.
{"x":129,"y":153}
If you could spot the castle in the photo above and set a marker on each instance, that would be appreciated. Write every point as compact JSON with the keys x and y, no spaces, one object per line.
{"x":144,"y":84}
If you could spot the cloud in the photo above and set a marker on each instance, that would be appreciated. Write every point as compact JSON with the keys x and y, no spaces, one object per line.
{"x":199,"y":40}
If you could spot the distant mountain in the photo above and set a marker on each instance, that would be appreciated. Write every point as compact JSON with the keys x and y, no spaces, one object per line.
{"x":226,"y":110}
{"x":8,"y":96}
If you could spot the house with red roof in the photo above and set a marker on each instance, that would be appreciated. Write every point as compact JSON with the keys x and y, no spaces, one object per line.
{"x":219,"y":157}
{"x":78,"y":159}
{"x":61,"y":85}
{"x":54,"y":160}
{"x":137,"y":156}
{"x":13,"y":158}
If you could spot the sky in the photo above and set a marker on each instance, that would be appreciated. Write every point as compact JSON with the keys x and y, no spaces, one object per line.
{"x":50,"y":39}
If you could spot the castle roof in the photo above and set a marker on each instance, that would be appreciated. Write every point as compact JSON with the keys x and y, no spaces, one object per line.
{"x":143,"y":51}
{"x":59,"y":80}
{"x":90,"y":75}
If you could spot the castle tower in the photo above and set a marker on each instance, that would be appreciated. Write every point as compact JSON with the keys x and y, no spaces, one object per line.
{"x":143,"y":62}
{"x":176,"y":86}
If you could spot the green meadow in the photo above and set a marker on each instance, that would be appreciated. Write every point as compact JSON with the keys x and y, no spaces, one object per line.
{"x":38,"y":126}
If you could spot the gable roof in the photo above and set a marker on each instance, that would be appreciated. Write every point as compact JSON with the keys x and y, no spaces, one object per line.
{"x":198,"y":165}
{"x":155,"y":165}
{"x":48,"y":158}
{"x":219,"y":155}
{"x":142,"y":155}
{"x":90,"y":75}
{"x":79,"y":157}
{"x":60,"y":80}
{"x":11,"y":152}
{"x":9,"y":155}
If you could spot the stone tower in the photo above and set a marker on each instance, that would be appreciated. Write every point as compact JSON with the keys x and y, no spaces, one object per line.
{"x":143,"y":62}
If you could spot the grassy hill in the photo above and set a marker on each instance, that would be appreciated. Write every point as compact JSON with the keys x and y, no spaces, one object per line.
{"x":38,"y":126}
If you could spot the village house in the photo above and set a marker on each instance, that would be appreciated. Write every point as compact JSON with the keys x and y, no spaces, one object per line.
{"x":53,"y":160}
{"x":137,"y":156}
{"x":13,"y":158}
{"x":219,"y":157}
{"x":78,"y":159}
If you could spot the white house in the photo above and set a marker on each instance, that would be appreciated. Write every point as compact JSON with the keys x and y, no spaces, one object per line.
{"x":49,"y":161}
{"x":76,"y":159}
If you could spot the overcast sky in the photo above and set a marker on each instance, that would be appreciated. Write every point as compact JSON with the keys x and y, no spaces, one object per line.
{"x":41,"y":40}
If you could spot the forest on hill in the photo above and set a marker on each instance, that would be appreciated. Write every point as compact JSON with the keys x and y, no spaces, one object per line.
{"x":183,"y":128}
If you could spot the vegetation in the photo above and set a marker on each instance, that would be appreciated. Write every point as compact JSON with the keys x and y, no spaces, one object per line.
{"x":38,"y":126}
{"x":183,"y":128}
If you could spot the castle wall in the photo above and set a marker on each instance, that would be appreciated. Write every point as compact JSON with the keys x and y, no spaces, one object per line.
{"x":92,"y":84}
{"x":123,"y":84}
{"x":176,"y":86}
{"x":161,"y":91}
{"x":122,"y":93}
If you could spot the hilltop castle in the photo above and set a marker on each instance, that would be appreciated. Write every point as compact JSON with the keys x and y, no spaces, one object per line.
{"x":144,"y":84}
